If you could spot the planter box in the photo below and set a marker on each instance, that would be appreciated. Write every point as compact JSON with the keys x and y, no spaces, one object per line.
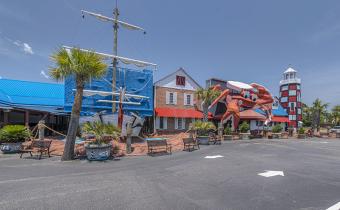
{"x":228,"y":137}
{"x":8,"y":148}
{"x":98,"y":152}
{"x":203,"y":140}
{"x":276,"y":135}
{"x":301,"y":136}
{"x":244,"y":136}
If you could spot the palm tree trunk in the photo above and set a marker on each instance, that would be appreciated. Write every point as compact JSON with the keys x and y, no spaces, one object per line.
{"x":205,"y":112}
{"x":73,"y":123}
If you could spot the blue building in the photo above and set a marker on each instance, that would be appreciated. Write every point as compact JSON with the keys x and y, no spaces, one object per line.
{"x":26,"y":102}
{"x":138,"y":82}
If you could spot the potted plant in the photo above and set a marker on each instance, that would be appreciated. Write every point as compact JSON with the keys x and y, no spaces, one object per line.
{"x":301,"y":133}
{"x":12,"y":137}
{"x":276,"y":131}
{"x":244,"y":130}
{"x":100,"y":147}
{"x":228,"y":133}
{"x":203,"y":129}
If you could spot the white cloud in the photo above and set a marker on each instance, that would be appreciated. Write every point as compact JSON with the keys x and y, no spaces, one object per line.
{"x":42,"y":73}
{"x":24,"y":46}
{"x":28,"y":49}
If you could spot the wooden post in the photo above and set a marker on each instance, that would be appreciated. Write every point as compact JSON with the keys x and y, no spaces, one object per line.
{"x":41,"y":129}
{"x":6,"y":118}
{"x":128,"y":137}
{"x":220,"y":131}
{"x":27,"y":118}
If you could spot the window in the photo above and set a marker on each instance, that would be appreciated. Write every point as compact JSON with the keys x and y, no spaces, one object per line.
{"x":284,"y":87}
{"x":292,"y":106}
{"x":161,"y":122}
{"x":188,"y":99}
{"x":180,"y":80}
{"x":292,"y":92}
{"x":299,"y":111}
{"x":292,"y":117}
{"x":298,"y":87}
{"x":171,"y":98}
{"x":180,"y":123}
{"x":284,"y":99}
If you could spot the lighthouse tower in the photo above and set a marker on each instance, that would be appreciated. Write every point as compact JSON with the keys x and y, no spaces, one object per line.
{"x":290,"y":96}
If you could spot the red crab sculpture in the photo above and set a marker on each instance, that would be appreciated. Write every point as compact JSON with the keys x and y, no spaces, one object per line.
{"x":238,"y":97}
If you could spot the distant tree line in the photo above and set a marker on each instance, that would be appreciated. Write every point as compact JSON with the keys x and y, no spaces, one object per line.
{"x":318,"y":115}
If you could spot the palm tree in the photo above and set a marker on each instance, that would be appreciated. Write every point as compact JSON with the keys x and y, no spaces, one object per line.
{"x":336,"y":114}
{"x":207,"y":96}
{"x":319,"y":110}
{"x":307,"y":115}
{"x":83,"y":66}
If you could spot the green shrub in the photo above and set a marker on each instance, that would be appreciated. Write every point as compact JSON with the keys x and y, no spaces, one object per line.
{"x":100,"y":130}
{"x":203,"y":128}
{"x":14,"y":134}
{"x":244,"y":127}
{"x":301,"y":130}
{"x":277,"y":129}
{"x":227,"y":131}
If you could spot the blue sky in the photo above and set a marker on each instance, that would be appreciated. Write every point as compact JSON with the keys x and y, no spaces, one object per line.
{"x":249,"y":41}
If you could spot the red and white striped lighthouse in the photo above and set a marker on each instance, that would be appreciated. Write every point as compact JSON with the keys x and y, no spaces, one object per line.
{"x":290,"y":96}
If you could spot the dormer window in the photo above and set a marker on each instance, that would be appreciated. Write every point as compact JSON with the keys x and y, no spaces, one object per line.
{"x":180,"y":80}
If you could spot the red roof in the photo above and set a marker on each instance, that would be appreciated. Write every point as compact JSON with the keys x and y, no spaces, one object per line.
{"x":172,"y":112}
{"x":251,"y":115}
{"x":280,"y":119}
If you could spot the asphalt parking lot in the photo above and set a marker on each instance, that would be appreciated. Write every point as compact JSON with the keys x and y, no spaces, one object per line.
{"x":294,"y":174}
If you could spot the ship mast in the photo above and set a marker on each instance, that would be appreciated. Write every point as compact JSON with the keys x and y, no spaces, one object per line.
{"x":116,"y":23}
{"x":115,"y":52}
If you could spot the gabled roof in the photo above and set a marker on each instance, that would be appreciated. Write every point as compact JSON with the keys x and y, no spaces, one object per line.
{"x":27,"y":93}
{"x":176,"y":72}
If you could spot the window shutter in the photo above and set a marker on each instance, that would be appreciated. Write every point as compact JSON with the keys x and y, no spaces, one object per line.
{"x":192,"y":99}
{"x":184,"y":99}
{"x":175,"y":98}
{"x":157,"y":123}
{"x":176,"y":123}
{"x":183,"y":123}
{"x":165,"y":122}
{"x":167,"y":97}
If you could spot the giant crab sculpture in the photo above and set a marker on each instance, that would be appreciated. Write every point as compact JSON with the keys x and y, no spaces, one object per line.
{"x":238,"y":97}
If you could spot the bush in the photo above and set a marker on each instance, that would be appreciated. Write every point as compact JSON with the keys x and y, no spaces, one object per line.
{"x":14,"y":134}
{"x":277,"y":129}
{"x":244,"y":127}
{"x":203,"y":128}
{"x":100,"y":130}
{"x":301,"y":130}
{"x":227,"y":131}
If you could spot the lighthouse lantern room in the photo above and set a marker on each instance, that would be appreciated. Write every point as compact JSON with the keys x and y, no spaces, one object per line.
{"x":290,"y":96}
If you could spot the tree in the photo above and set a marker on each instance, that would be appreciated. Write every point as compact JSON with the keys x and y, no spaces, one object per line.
{"x":336,"y":114}
{"x":319,"y":110}
{"x":83,"y":66}
{"x":307,"y":115}
{"x":207,"y":96}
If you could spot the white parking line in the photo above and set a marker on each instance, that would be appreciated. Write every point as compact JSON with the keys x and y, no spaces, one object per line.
{"x":334,"y":207}
{"x":271,"y":173}
{"x":213,"y":156}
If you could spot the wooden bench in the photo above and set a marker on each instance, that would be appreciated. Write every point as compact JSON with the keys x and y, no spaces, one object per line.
{"x":38,"y":146}
{"x":190,"y":144}
{"x":155,"y":146}
{"x":213,"y":138}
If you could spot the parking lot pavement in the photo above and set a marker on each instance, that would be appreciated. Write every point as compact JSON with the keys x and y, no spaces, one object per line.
{"x":236,"y":175}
